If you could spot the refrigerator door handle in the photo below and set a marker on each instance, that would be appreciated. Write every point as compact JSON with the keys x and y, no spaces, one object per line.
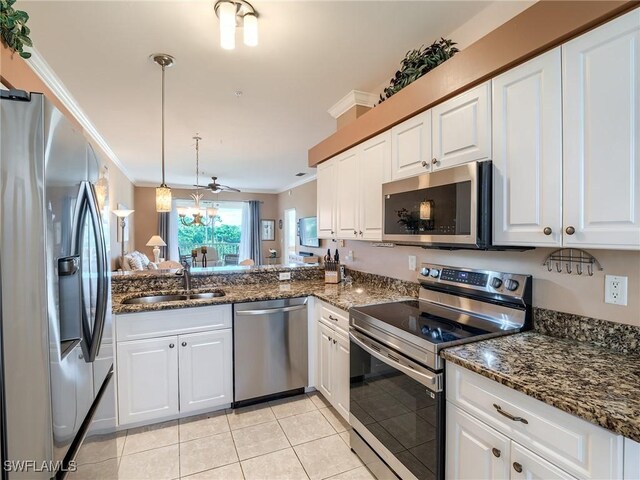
{"x":87,"y":204}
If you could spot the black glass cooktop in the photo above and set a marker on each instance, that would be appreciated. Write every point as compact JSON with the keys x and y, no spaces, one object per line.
{"x":429,"y":322}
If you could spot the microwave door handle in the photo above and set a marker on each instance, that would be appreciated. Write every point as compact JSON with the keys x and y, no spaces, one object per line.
{"x":103,"y":274}
{"x":429,"y":380}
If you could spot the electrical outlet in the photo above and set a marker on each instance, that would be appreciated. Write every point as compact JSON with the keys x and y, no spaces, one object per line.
{"x":615,"y":290}
{"x":285,"y":276}
{"x":412,"y":263}
{"x":349,"y":257}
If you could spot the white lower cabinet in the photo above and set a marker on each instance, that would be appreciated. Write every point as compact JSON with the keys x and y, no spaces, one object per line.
{"x":205,"y":361}
{"x":474,"y":449}
{"x":491,"y":427}
{"x":147,"y":379}
{"x":163,"y":376}
{"x":333,"y":358}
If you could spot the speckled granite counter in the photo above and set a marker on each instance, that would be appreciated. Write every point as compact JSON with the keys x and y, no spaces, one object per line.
{"x":596,"y":384}
{"x":341,"y":296}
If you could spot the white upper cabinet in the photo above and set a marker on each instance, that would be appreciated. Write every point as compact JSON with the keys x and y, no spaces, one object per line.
{"x":326,"y":197}
{"x":375,"y":169}
{"x":347,"y":173}
{"x":527,"y":153}
{"x":601,"y":94}
{"x":411,"y":141}
{"x":462,"y":128}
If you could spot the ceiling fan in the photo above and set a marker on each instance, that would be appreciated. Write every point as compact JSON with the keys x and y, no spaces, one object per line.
{"x":215,"y":187}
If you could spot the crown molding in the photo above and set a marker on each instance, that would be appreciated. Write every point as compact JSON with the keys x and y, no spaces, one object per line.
{"x":308,"y":179}
{"x":350,"y":100}
{"x":41,"y":68}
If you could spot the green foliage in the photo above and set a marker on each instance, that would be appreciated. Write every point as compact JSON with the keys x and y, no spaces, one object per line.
{"x":224,"y":238}
{"x":13,"y":28}
{"x":418,"y":62}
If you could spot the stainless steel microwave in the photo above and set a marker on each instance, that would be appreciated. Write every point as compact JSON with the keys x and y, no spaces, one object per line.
{"x":449,"y":208}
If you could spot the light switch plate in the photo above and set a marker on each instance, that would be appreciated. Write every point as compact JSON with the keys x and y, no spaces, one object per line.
{"x":285,"y":276}
{"x":615,"y":290}
{"x":412,"y":263}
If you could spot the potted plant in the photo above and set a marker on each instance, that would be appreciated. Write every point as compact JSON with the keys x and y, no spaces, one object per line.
{"x":14,"y":32}
{"x":418,"y":62}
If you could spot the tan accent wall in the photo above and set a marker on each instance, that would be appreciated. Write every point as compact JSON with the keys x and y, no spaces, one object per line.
{"x":539,"y":28}
{"x":303,"y":199}
{"x":351,"y":115}
{"x":15,"y":73}
{"x":146,"y":223}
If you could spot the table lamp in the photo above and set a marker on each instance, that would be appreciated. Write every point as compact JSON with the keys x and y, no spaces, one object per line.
{"x":122,"y":215}
{"x":156,"y":242}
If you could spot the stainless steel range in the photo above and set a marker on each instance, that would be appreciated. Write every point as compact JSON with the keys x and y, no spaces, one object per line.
{"x":396,"y":376}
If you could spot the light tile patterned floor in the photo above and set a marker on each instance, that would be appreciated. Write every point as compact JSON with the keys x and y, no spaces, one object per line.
{"x":295,"y":439}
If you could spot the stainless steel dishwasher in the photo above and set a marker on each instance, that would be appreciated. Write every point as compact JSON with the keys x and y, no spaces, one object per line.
{"x":270,"y":348}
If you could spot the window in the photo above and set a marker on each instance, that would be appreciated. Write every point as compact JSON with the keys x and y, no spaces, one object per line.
{"x":222,"y":235}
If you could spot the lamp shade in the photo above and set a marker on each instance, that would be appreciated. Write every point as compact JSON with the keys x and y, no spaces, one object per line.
{"x":250,"y":22}
{"x":156,"y":241}
{"x":163,"y":199}
{"x":227,"y":12}
{"x":122,"y":213}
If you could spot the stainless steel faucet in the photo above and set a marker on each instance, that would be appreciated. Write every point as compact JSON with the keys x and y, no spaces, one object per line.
{"x":185,"y":272}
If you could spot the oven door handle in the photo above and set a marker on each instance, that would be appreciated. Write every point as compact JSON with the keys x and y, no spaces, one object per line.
{"x":429,"y":380}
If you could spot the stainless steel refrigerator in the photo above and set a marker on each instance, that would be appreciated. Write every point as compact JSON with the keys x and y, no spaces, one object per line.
{"x":58,"y":398}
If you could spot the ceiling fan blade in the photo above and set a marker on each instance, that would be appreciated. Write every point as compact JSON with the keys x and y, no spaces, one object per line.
{"x":228,"y":189}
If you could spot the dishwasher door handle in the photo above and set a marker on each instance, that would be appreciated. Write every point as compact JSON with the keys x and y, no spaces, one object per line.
{"x":269,"y":311}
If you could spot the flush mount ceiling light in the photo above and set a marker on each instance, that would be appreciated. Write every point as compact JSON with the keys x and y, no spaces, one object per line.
{"x":163,"y":192}
{"x":236,"y":13}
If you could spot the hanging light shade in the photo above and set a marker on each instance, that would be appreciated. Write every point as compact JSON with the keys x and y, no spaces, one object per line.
{"x":233,"y":13}
{"x":250,"y":22}
{"x":163,"y":192}
{"x":227,"y":12}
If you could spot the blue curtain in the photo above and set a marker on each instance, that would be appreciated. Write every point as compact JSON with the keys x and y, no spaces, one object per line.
{"x":163,"y":231}
{"x":254,"y":231}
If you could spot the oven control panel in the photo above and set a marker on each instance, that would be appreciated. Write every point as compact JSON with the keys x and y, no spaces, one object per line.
{"x":509,"y":284}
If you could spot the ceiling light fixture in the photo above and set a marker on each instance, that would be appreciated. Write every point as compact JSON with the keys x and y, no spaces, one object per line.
{"x":163,"y":192}
{"x":237,"y":13}
{"x":200,"y":216}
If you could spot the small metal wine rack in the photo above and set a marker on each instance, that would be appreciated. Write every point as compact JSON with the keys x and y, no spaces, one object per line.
{"x":565,"y":259}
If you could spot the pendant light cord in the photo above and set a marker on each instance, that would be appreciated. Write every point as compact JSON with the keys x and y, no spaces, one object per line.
{"x":163,"y":183}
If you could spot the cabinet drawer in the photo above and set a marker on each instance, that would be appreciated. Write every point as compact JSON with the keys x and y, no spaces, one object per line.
{"x":334,"y":316}
{"x":136,"y":326}
{"x":575,"y":445}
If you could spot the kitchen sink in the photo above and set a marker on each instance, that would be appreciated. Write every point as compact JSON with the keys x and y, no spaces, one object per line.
{"x":172,"y":298}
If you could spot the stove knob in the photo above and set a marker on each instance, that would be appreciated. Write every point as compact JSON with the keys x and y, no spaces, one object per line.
{"x":496,"y":282}
{"x":434,"y":272}
{"x":512,"y":285}
{"x":424,"y":272}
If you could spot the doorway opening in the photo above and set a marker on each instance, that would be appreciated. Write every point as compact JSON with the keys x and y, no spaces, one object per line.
{"x":289,"y":246}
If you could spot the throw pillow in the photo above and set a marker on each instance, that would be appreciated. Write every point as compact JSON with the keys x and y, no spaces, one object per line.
{"x":135,"y":263}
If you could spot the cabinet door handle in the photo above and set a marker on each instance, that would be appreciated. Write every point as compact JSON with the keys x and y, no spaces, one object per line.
{"x":547,"y":230}
{"x":360,"y":232}
{"x":171,"y":345}
{"x":334,"y":341}
{"x":570,"y":230}
{"x":434,"y":161}
{"x":331,"y":318}
{"x":184,"y":344}
{"x":425,"y":164}
{"x":517,"y":467}
{"x":331,"y":232}
{"x":509,"y":416}
{"x":355,"y":233}
{"x":496,"y":452}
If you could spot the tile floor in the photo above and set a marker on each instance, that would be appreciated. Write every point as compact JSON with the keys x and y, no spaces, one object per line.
{"x":296,"y":438}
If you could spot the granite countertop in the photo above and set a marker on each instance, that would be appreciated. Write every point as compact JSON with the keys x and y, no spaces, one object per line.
{"x":593,"y":383}
{"x":340,"y":295}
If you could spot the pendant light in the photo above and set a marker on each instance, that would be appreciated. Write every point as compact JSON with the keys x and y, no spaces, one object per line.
{"x":163,"y":192}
